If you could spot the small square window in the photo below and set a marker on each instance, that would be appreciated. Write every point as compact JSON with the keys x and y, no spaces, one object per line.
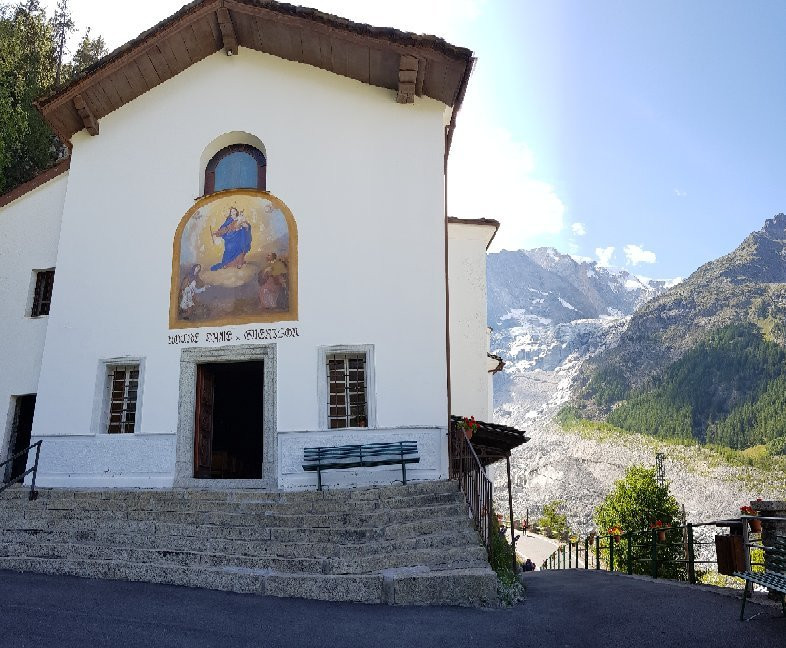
{"x":42,"y":293}
{"x":122,"y":385}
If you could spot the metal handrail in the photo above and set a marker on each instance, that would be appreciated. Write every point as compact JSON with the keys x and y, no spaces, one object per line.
{"x":559,"y":560}
{"x":466,"y":468}
{"x":21,"y":477}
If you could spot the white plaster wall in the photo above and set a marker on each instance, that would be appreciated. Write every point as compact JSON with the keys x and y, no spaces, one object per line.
{"x":30,"y":229}
{"x":469,"y":378}
{"x":432,"y":449}
{"x":363,"y":177}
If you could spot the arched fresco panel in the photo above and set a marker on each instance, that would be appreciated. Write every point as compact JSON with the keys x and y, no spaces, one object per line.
{"x":234,"y":261}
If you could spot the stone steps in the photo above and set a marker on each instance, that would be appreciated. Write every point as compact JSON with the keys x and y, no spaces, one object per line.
{"x":269,"y":520}
{"x":442,"y":558}
{"x":409,"y":544}
{"x":461,"y":538}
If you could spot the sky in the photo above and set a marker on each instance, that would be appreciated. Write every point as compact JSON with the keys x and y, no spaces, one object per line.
{"x":643,"y":135}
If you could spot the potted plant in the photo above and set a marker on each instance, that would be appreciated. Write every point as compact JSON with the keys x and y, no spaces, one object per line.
{"x":616,"y":533}
{"x":469,"y":426}
{"x":754,"y":524}
{"x":661,"y":528}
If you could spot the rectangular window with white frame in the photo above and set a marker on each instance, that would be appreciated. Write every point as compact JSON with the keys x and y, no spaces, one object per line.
{"x":346,"y":389}
{"x":122,"y":385}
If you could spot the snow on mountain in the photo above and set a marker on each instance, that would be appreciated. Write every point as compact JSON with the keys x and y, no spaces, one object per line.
{"x":549,"y":311}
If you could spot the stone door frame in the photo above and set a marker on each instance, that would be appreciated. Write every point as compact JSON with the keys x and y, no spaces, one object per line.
{"x":184,"y":446}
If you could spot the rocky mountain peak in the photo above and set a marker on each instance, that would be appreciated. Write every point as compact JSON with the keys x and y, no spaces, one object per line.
{"x":775,"y":227}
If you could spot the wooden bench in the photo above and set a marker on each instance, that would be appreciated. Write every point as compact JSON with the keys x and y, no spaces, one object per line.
{"x":774,"y":579}
{"x":361,"y":456}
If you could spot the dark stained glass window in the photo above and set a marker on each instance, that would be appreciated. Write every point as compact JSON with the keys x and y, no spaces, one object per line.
{"x":239,"y":166}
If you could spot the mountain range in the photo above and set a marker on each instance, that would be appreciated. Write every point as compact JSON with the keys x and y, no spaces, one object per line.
{"x":702,"y":360}
{"x":548,"y":313}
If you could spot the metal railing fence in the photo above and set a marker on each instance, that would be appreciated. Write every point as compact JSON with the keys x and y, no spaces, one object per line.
{"x":668,"y":552}
{"x":21,"y":476}
{"x":465,"y":467}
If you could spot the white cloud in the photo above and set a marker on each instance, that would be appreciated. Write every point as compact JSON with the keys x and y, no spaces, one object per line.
{"x":578,"y":229}
{"x":490,"y":174}
{"x":636,"y":254}
{"x":679,"y":193}
{"x":604,"y":255}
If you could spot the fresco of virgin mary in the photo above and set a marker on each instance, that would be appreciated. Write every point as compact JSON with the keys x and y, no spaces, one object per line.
{"x":234,"y":261}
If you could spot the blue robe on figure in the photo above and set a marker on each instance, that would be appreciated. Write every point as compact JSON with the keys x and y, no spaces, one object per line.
{"x":236,"y":242}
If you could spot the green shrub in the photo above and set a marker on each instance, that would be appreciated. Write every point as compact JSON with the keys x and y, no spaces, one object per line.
{"x":501,"y":556}
{"x":634,"y":505}
{"x":553,"y":520}
{"x":777,"y":446}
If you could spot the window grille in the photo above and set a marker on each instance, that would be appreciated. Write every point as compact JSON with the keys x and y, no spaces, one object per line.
{"x":346,"y":374}
{"x":123,"y":389}
{"x":42,"y":295}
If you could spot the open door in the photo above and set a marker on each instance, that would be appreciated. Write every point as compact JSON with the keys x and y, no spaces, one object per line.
{"x":203,"y":422}
{"x":21,"y":428}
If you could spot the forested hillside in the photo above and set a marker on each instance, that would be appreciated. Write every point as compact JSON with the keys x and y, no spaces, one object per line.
{"x":34,"y":59}
{"x":728,"y":390}
{"x":706,"y":360}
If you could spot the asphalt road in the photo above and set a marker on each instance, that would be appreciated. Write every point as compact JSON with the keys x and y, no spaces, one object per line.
{"x":563,"y":609}
{"x":535,"y":547}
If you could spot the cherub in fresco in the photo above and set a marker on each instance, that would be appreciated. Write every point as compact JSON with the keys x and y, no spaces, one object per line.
{"x":236,"y":232}
{"x":273,"y":289}
{"x":189,"y":288}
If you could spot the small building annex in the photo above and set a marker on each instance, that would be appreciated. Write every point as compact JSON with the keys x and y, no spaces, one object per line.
{"x":246,"y":253}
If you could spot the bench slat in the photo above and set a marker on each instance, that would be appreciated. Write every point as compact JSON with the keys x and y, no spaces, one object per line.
{"x":361,"y":456}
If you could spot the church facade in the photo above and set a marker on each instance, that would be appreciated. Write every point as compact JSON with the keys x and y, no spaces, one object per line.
{"x":247,"y":253}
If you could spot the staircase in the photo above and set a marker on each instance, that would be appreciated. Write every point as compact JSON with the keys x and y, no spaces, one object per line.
{"x":404,"y":545}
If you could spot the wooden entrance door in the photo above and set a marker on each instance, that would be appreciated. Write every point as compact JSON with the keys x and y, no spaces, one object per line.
{"x":203,"y":421}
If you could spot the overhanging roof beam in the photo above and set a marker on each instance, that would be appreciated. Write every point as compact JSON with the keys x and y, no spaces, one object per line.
{"x":228,"y":33}
{"x":86,"y":115}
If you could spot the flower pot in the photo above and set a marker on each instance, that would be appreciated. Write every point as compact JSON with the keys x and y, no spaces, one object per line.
{"x":468,"y":433}
{"x":616,"y":538}
{"x":755,"y":525}
{"x":662,"y":535}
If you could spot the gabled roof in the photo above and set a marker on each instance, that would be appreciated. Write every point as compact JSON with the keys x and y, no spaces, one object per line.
{"x":45,"y":176}
{"x":482,"y":222}
{"x":408,"y":63}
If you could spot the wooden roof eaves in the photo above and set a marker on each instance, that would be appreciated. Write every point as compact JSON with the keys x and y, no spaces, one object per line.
{"x":42,"y":178}
{"x":374,"y":34}
{"x":116,"y":59}
{"x":426,"y":47}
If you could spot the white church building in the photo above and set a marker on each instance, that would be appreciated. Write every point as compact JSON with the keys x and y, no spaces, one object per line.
{"x":247,"y":253}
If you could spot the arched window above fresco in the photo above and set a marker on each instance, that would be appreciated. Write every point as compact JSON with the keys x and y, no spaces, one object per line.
{"x":239,"y":166}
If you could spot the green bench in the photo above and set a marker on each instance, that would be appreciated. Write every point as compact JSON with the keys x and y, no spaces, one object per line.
{"x":360,"y":456}
{"x":774,"y":579}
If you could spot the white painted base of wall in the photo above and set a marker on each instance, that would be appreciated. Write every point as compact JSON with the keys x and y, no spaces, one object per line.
{"x":106,"y":460}
{"x":78,"y":480}
{"x":432,"y":447}
{"x":148,"y":460}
